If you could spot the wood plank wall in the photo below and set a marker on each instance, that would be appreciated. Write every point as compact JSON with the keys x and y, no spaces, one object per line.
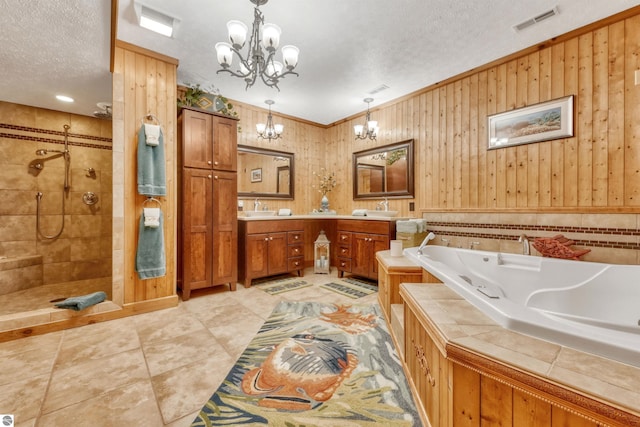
{"x":596,"y":170}
{"x":145,"y":83}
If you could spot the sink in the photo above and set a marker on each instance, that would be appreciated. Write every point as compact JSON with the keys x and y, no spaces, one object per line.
{"x":386,"y":214}
{"x":260,"y":213}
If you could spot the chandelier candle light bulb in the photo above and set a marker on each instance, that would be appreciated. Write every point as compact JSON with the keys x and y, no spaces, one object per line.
{"x":370,"y":127}
{"x":269,"y":130}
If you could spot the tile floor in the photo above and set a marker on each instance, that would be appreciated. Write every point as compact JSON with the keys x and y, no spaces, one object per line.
{"x":154,"y":369}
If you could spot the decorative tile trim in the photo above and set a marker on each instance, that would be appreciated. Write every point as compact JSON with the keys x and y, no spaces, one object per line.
{"x":445,"y":228}
{"x":29,"y":136}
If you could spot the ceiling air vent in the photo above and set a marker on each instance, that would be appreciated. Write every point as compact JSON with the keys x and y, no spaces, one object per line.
{"x":529,"y":22}
{"x":378,"y":89}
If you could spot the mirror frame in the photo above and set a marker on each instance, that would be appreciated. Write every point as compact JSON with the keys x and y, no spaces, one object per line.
{"x":403,"y":194}
{"x":273,"y":153}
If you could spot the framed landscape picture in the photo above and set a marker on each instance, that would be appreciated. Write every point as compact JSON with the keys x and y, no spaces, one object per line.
{"x":535,"y":123}
{"x":256,"y":175}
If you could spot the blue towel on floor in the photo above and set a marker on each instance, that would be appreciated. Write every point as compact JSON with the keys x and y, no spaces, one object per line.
{"x":82,"y":302}
{"x":150,"y":257}
{"x":151,"y":166}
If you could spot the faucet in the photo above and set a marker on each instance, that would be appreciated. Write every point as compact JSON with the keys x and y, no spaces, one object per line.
{"x":445,"y":241}
{"x":426,"y":240}
{"x":384,"y":203}
{"x":525,"y":244}
{"x":256,"y":205}
{"x":472,"y":244}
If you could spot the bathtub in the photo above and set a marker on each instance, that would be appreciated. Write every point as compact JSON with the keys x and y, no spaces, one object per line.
{"x":588,"y":306}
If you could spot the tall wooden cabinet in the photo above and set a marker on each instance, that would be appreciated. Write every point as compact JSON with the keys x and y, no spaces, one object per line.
{"x":208,"y":189}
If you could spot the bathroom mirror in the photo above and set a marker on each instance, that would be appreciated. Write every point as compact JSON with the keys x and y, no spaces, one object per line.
{"x":264,"y":173}
{"x":385,"y":171}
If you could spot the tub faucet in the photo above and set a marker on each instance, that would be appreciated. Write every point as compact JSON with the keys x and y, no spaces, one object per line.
{"x":473,"y":244}
{"x":525,"y":244}
{"x":426,"y":240}
{"x":385,"y":204}
{"x":256,"y":205}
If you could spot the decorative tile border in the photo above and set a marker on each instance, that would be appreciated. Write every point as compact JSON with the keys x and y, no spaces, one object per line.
{"x":31,"y":134}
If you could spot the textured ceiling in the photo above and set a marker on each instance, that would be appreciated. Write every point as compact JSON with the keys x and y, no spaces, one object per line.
{"x":347,"y":48}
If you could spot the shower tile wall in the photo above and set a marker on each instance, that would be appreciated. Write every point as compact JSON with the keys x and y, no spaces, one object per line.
{"x":83,"y":251}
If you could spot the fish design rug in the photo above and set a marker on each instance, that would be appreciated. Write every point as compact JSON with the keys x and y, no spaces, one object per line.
{"x":350,"y":287}
{"x":315,"y":364}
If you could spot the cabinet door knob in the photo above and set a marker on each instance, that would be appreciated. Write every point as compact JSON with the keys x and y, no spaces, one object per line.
{"x":215,"y":177}
{"x":270,"y":238}
{"x":208,"y":162}
{"x":296,"y":237}
{"x":209,"y":176}
{"x":266,"y":239}
{"x":342,"y":264}
{"x":215,"y":163}
{"x":296,"y":250}
{"x":296,"y":263}
{"x":344,"y":251}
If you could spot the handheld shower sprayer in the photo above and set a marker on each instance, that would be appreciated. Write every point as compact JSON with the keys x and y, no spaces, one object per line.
{"x":426,"y":240}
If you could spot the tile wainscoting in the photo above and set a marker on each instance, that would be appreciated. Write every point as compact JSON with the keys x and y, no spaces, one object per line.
{"x":612,"y":238}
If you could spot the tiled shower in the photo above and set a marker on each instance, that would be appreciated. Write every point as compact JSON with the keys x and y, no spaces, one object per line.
{"x":79,"y":260}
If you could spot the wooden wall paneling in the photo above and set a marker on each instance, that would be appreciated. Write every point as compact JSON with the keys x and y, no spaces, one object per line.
{"x":616,"y":114}
{"x":632,"y":112}
{"x":522,"y":151}
{"x":472,"y":142}
{"x":511,"y":158}
{"x":456,"y":139}
{"x":570,"y":168}
{"x":557,"y":146}
{"x":452,"y":165}
{"x":600,"y":162}
{"x":442,"y":145}
{"x":481,"y":141}
{"x":530,"y":411}
{"x":544,"y":148}
{"x":501,"y":159}
{"x":432,"y":142}
{"x":584,"y":118}
{"x":462,"y":141}
{"x":497,"y":403}
{"x":492,"y":155}
{"x":533,"y":150}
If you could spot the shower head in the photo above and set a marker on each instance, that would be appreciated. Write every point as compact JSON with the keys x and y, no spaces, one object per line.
{"x":41,"y":152}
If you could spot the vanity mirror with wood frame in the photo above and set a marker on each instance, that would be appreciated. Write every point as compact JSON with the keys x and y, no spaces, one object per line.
{"x":264,"y":173}
{"x":385,"y":171}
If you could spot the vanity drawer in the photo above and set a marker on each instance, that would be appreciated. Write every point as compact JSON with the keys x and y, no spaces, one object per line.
{"x":296,"y":250}
{"x":344,"y":264}
{"x":295,"y":237}
{"x":344,"y":251}
{"x":296,"y":263}
{"x":344,"y":238}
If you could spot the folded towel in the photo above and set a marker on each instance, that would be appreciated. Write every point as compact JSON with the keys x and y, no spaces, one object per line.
{"x":150,"y":256}
{"x":151,"y":167}
{"x":151,"y":217}
{"x":82,"y":302}
{"x":411,"y":226}
{"x":359,"y":212}
{"x":284,"y":212}
{"x":151,"y":134}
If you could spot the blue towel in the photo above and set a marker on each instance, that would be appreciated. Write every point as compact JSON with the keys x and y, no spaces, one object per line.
{"x":151,"y":167}
{"x":150,"y":257}
{"x":82,"y":302}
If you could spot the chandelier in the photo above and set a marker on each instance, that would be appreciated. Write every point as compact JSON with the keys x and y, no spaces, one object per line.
{"x":259,"y":60}
{"x":269,"y":131}
{"x":370,"y":127}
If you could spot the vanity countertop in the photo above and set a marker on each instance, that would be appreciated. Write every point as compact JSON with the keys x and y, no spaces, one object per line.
{"x":319,"y":216}
{"x":462,"y":325}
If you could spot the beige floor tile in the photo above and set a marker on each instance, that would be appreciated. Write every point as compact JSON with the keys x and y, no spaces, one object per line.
{"x":88,"y":379}
{"x":130,"y":405}
{"x":165,"y":355}
{"x":23,"y":398}
{"x":166,"y":324}
{"x":28,"y":364}
{"x":97,"y":341}
{"x":186,"y":389}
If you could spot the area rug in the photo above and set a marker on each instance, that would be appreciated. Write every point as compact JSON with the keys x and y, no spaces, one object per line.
{"x":350,"y":287}
{"x":278,"y":285}
{"x":315,"y":364}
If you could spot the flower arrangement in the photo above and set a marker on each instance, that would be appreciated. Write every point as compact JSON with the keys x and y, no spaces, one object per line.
{"x":327,"y":181}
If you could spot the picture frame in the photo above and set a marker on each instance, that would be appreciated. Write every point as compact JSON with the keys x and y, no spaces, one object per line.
{"x":256,"y":175}
{"x":544,"y":121}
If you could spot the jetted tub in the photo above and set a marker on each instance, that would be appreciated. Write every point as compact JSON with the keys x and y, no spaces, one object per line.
{"x":589,"y":306}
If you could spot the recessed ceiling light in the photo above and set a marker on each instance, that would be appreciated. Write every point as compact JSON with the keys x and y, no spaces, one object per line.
{"x":64,"y":98}
{"x":156,"y":21}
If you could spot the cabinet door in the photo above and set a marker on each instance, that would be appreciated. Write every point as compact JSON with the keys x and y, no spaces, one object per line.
{"x":278,"y":260}
{"x":225,"y":228}
{"x":197,"y":139}
{"x":225,"y":144}
{"x":361,"y":254}
{"x":257,"y":261}
{"x":197,"y":229}
{"x":378,"y":243}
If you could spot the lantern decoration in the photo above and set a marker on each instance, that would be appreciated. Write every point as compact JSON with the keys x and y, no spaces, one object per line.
{"x":321,"y":254}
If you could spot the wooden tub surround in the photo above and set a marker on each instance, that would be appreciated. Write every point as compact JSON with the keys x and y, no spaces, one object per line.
{"x":466,"y":370}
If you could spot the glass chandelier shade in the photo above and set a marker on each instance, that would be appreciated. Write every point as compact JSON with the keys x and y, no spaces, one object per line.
{"x":370,"y":127}
{"x":269,"y":131}
{"x":263,"y":45}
